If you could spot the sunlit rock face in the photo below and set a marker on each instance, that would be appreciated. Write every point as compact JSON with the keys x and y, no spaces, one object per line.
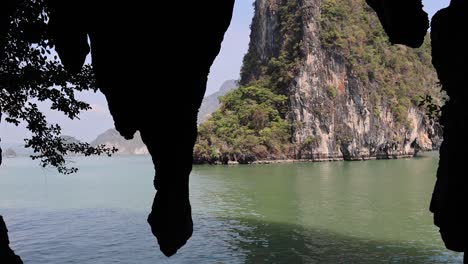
{"x":333,"y":109}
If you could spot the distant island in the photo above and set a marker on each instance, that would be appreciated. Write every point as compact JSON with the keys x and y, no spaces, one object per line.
{"x":9,"y":153}
{"x":112,"y":138}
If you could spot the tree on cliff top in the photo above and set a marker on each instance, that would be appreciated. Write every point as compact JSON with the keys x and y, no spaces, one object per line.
{"x":29,"y":73}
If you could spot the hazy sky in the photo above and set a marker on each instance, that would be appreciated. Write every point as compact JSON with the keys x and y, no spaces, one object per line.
{"x":225,"y":67}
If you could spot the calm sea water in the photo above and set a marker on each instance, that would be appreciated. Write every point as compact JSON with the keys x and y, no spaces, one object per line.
{"x":339,"y":212}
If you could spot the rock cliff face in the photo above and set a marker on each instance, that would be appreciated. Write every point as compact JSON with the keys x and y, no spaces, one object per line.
{"x":335,"y":110}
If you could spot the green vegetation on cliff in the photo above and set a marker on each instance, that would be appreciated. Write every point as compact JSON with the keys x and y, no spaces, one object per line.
{"x":279,"y":70}
{"x":250,"y":124}
{"x":400,"y":76}
{"x":247,"y":126}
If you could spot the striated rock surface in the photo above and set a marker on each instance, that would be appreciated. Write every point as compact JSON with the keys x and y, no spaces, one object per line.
{"x":345,"y":101}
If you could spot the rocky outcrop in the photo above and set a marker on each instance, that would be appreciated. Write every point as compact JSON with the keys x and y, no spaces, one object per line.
{"x":211,"y":102}
{"x":7,"y":255}
{"x":136,"y":58}
{"x":334,"y":112}
{"x":112,"y":138}
{"x":404,"y":21}
{"x":450,"y":57}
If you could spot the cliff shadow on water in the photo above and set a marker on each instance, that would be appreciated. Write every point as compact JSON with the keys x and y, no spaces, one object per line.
{"x":275,"y":242}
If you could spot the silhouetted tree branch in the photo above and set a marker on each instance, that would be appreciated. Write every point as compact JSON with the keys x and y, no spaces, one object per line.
{"x":31,"y":73}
